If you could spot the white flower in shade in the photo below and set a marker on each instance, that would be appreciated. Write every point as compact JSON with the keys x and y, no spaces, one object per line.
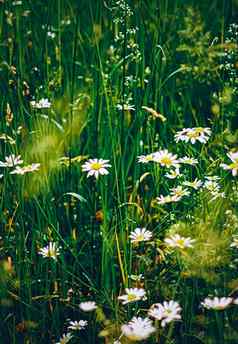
{"x":233,"y":167}
{"x":179,"y":192}
{"x":145,"y":159}
{"x":126,"y":107}
{"x":95,"y":167}
{"x":193,"y":134}
{"x":173,"y":174}
{"x":77,"y":325}
{"x":164,"y":158}
{"x":41,"y":104}
{"x":132,"y":295}
{"x":50,"y":251}
{"x":167,"y":312}
{"x":166,"y":199}
{"x":234,"y":242}
{"x":140,"y":234}
{"x":177,"y":241}
{"x":189,"y":161}
{"x":211,"y":186}
{"x":138,"y":329}
{"x":217,"y":303}
{"x":65,"y":339}
{"x":88,"y":306}
{"x":11,"y":161}
{"x":196,"y":184}
{"x":26,"y":169}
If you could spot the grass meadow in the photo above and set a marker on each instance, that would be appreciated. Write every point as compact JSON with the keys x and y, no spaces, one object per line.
{"x":118,"y":171}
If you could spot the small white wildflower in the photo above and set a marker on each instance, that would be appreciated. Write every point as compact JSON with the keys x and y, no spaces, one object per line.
{"x":234,"y":242}
{"x":26,"y":169}
{"x":65,"y":339}
{"x":132,"y":295}
{"x":189,"y":161}
{"x":167,"y":312}
{"x":173,"y":174}
{"x":11,"y":161}
{"x":41,"y":104}
{"x":88,"y":306}
{"x":140,"y":234}
{"x":138,"y":329}
{"x":193,"y":134}
{"x":145,"y":159}
{"x":166,"y":199}
{"x":95,"y":167}
{"x":179,"y":192}
{"x":50,"y":251}
{"x":217,"y":303}
{"x":233,"y":167}
{"x":177,"y":241}
{"x":196,"y":184}
{"x":77,"y":325}
{"x":164,"y":158}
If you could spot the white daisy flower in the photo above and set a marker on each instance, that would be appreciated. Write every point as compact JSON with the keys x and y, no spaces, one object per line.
{"x":145,"y":159}
{"x":167,"y":312}
{"x":140,"y":234}
{"x":41,"y":104}
{"x":177,"y":241}
{"x":132,"y":295}
{"x":233,"y":167}
{"x":179,"y":192}
{"x":77,"y":325}
{"x":173,"y":174}
{"x":166,"y":199}
{"x":95,"y":167}
{"x":65,"y":339}
{"x":50,"y":251}
{"x":164,"y":158}
{"x":138,"y":329}
{"x":189,"y":161}
{"x":234,"y":242}
{"x":26,"y":169}
{"x":196,"y":184}
{"x":193,"y":134}
{"x":11,"y":161}
{"x":88,"y":306}
{"x":217,"y":303}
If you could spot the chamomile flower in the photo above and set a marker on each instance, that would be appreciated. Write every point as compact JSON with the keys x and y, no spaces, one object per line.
{"x":65,"y":339}
{"x":41,"y":104}
{"x":188,"y":161}
{"x":193,"y":134}
{"x":88,"y":306}
{"x":50,"y":251}
{"x":166,"y":199}
{"x":138,"y":329}
{"x":233,"y":166}
{"x":77,"y":325}
{"x":217,"y":303}
{"x":173,"y":174}
{"x":145,"y":159}
{"x":140,"y":234}
{"x":11,"y":161}
{"x":26,"y":169}
{"x":177,"y":241}
{"x":196,"y":184}
{"x":167,"y":312}
{"x":95,"y":167}
{"x":132,"y":295}
{"x":234,"y":242}
{"x":164,"y":158}
{"x":179,"y":192}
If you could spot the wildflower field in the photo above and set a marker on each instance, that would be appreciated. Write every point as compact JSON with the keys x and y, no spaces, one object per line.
{"x":118,"y":171}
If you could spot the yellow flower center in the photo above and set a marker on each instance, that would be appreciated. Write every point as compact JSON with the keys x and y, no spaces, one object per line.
{"x":193,"y":134}
{"x":140,"y":237}
{"x":131,"y":297}
{"x":166,"y":160}
{"x":180,"y":242}
{"x":96,"y":166}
